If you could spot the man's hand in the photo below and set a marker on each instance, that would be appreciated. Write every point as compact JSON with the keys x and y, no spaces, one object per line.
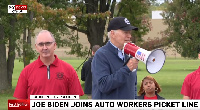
{"x":132,"y":64}
{"x":186,"y":97}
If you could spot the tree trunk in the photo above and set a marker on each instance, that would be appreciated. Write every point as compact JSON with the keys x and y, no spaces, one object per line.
{"x":3,"y":63}
{"x":29,"y":36}
{"x":96,"y":32}
{"x":27,"y":43}
{"x":24,"y":47}
{"x":96,"y":27}
{"x":11,"y":58}
{"x":11,"y":51}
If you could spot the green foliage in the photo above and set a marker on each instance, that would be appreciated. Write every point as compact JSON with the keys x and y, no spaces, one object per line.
{"x":183,"y":22}
{"x":30,"y":53}
{"x":5,"y":21}
{"x":51,"y":15}
{"x":55,"y":16}
{"x":76,"y":47}
{"x":55,"y":3}
{"x":136,"y":11}
{"x":75,"y":50}
{"x":90,"y":19}
{"x":155,"y":43}
{"x":5,"y":18}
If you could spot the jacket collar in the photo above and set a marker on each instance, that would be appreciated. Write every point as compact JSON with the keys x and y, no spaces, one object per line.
{"x":114,"y":49}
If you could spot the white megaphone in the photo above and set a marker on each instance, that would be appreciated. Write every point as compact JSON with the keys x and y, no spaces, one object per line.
{"x":154,"y":60}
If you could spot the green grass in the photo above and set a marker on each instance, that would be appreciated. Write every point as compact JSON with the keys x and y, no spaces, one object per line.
{"x":170,"y":77}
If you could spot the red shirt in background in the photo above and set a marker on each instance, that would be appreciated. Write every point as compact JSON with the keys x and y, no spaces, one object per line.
{"x":191,"y":85}
{"x":34,"y":80}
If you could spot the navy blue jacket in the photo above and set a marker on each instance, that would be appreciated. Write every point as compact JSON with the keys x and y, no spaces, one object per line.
{"x":110,"y":79}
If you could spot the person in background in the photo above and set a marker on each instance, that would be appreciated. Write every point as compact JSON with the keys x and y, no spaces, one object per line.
{"x":86,"y":74}
{"x":48,"y":75}
{"x":191,"y":85}
{"x":112,"y":78}
{"x":149,"y":89}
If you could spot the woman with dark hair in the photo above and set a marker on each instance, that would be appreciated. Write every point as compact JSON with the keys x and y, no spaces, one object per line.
{"x":149,"y":89}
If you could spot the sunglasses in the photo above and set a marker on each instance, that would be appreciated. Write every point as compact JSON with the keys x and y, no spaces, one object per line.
{"x":41,"y":44}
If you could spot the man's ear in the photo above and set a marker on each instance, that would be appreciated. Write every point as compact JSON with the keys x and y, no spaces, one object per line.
{"x":111,"y":33}
{"x":55,"y":46}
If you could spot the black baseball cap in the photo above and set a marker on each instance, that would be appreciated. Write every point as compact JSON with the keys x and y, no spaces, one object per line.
{"x":121,"y":23}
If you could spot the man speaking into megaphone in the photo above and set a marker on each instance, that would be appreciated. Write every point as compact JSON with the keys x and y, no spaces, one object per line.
{"x":111,"y":77}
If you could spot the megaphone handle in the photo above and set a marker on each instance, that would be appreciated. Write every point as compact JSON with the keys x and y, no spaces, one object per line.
{"x":126,"y":61}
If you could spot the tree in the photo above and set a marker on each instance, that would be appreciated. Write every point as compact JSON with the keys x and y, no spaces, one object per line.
{"x":91,"y":19}
{"x":3,"y":63}
{"x":53,"y":16}
{"x":13,"y":25}
{"x":137,"y":12}
{"x":183,"y":22}
{"x":8,"y":35}
{"x":27,"y":26}
{"x":60,"y":13}
{"x":94,"y":15}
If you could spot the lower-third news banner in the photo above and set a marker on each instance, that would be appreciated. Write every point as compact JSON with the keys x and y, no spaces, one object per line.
{"x":72,"y":102}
